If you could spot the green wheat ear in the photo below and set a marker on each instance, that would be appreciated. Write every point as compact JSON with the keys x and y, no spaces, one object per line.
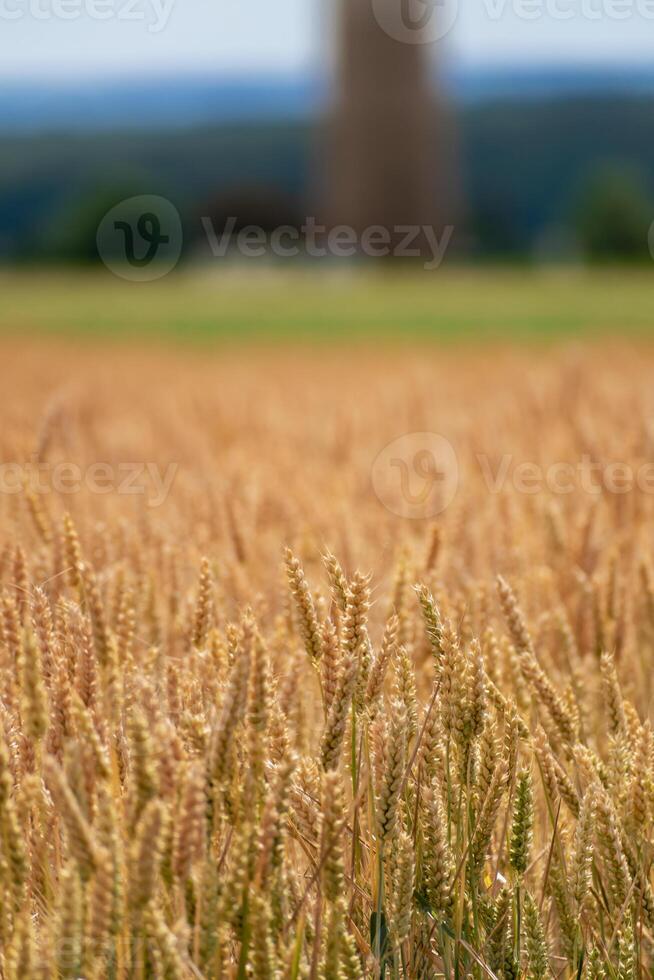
{"x":536,"y":942}
{"x":626,"y":957}
{"x":593,"y":970}
{"x":523,"y":822}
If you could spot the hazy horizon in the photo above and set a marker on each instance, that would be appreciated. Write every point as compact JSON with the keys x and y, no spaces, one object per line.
{"x":280,"y":74}
{"x":291,"y":36}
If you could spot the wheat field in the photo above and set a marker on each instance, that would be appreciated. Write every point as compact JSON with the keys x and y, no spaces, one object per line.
{"x":264,"y":717}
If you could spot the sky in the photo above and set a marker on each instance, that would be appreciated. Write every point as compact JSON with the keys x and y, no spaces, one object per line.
{"x":83,"y":38}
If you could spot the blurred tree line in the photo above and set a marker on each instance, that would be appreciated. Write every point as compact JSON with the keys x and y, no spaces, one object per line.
{"x":558,"y":179}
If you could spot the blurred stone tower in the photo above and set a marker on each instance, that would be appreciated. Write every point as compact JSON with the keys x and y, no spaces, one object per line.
{"x":391,"y":159}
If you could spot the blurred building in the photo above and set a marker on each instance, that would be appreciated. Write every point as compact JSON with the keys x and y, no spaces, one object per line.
{"x":392,"y":154}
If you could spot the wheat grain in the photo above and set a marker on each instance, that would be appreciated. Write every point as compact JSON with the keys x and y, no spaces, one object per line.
{"x":208,"y":768}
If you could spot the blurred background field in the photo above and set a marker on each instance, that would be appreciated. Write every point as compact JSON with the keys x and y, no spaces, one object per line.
{"x":489,"y":303}
{"x":531,"y":138}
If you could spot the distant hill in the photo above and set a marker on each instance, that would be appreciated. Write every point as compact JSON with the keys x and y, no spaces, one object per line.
{"x":198,"y":100}
{"x":491,"y":84}
{"x":155,"y":103}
